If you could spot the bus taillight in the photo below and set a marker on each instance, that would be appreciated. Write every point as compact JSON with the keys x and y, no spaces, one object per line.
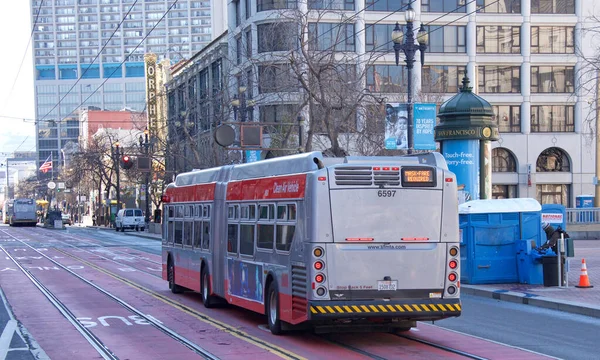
{"x":453,"y":251}
{"x":320,"y":278}
{"x":318,"y":252}
{"x":319,"y":265}
{"x":453,"y":264}
{"x":165,"y":199}
{"x":452,"y":277}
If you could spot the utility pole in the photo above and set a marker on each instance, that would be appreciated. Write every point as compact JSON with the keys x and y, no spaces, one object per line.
{"x":144,"y":144}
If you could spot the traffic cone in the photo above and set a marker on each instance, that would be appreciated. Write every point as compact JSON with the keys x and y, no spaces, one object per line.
{"x":584,"y":281}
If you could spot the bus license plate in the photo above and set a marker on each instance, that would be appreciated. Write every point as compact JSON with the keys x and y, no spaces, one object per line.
{"x":387,"y":285}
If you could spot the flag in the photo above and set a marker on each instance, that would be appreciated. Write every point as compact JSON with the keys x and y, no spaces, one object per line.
{"x":47,"y":165}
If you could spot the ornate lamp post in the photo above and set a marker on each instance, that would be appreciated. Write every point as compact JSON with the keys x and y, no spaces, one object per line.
{"x":144,"y":144}
{"x":406,"y":43}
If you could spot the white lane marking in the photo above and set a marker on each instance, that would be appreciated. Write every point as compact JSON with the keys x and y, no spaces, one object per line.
{"x":6,"y":338}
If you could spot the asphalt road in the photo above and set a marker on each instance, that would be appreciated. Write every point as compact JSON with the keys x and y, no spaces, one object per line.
{"x":549,"y":332}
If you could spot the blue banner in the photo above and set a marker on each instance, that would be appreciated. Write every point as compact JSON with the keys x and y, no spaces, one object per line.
{"x":462,"y":157}
{"x":252,"y":155}
{"x":424,"y":122}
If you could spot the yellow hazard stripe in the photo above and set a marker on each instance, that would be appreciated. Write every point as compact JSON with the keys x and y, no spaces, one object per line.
{"x":383,"y":308}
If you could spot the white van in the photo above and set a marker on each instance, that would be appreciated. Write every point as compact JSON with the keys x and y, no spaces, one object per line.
{"x":129,"y":219}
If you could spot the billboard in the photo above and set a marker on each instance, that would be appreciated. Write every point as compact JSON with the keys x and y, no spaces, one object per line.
{"x":396,"y":126}
{"x":245,"y":279}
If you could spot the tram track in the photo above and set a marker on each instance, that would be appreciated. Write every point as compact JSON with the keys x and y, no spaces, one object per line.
{"x":88,"y":335}
{"x":442,"y":347}
{"x":281,"y":352}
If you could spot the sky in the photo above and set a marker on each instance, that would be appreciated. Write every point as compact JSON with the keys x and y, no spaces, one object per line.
{"x":17,"y":101}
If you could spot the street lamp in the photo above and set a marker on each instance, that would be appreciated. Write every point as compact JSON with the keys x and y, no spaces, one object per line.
{"x":245,"y":107}
{"x":145,"y":144}
{"x":406,"y":44}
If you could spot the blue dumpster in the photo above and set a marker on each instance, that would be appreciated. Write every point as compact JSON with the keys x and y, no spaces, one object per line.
{"x":583,"y":202}
{"x":490,"y":231}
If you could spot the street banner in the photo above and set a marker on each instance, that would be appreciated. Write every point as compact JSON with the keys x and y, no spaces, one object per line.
{"x":396,"y":126}
{"x":252,"y":155}
{"x":424,"y":118}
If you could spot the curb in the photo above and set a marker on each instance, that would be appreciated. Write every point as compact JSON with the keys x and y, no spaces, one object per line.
{"x":534,"y":300}
{"x":136,"y":234}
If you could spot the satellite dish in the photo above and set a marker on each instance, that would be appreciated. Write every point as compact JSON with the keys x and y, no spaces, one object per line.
{"x":224,"y":135}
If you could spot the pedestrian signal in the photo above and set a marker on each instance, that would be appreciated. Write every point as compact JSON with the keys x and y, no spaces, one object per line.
{"x":126,"y":162}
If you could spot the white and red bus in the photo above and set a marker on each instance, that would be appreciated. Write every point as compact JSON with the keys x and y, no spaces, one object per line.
{"x":330,"y":243}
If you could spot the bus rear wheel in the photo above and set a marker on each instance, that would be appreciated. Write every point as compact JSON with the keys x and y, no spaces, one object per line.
{"x":175,"y":289}
{"x":273,"y":309}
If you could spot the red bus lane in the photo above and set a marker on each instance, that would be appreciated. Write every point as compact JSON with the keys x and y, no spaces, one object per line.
{"x":119,"y":329}
{"x":52,"y":331}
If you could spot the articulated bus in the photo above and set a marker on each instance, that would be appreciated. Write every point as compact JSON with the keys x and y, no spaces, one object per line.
{"x":330,"y":244}
{"x":23,"y":213}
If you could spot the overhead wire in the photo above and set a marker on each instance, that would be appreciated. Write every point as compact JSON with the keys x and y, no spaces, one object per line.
{"x":90,"y":64}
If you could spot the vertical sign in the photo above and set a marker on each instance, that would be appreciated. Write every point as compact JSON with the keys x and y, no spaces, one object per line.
{"x":396,"y":126}
{"x":424,"y":118}
{"x":252,"y":156}
{"x":151,"y":90}
{"x":462,"y":157}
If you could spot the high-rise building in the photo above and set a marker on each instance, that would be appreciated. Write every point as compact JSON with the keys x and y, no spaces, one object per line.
{"x":526,"y":57}
{"x":83,"y":58}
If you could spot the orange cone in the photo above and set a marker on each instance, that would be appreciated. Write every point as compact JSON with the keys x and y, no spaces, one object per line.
{"x":584,"y":281}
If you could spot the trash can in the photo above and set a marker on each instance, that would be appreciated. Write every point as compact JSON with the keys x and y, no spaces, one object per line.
{"x":550,"y":264}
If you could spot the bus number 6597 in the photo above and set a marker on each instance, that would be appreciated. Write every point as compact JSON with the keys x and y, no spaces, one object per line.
{"x":386,"y":193}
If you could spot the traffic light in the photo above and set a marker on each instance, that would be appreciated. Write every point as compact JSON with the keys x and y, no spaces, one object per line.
{"x":126,"y":162}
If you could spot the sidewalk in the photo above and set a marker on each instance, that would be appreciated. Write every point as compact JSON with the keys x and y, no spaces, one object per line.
{"x":568,"y":299}
{"x":142,"y":234}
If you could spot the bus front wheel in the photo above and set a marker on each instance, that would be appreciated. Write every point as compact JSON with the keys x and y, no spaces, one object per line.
{"x":175,"y":289}
{"x":207,"y":299}
{"x":273,"y":309}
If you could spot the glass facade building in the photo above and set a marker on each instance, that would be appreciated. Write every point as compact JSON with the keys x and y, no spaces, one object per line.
{"x":82,"y":39}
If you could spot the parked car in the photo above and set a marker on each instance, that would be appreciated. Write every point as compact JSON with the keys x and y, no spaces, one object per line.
{"x":66,"y":219}
{"x":129,"y":219}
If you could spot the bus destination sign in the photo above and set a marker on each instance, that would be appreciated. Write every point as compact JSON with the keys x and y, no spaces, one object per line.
{"x":418,"y":177}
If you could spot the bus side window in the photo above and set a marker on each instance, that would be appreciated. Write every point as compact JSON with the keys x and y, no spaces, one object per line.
{"x":187,"y":233}
{"x":286,"y":226}
{"x":247,"y":239}
{"x":232,"y":238}
{"x":178,"y":235}
{"x":206,"y":235}
{"x":197,"y":233}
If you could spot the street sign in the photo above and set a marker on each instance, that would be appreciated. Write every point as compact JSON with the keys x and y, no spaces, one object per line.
{"x":51,"y":185}
{"x":61,"y":185}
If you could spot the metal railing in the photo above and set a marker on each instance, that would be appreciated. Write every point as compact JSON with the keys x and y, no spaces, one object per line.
{"x":581,"y":216}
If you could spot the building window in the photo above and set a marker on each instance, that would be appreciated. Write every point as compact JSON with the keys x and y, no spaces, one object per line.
{"x":499,"y":6}
{"x":276,"y":78}
{"x":331,"y":4}
{"x":457,"y":6}
{"x":386,"y":5}
{"x":249,"y":43}
{"x":446,"y":39}
{"x":503,"y":161}
{"x":248,"y":9}
{"x":499,"y":79}
{"x":552,"y":118}
{"x":331,"y":36}
{"x":276,"y":37}
{"x":272,"y":114}
{"x":504,"y":191}
{"x":508,"y":118}
{"x":553,"y":6}
{"x":238,"y":13}
{"x":441,"y":78}
{"x":499,"y":39}
{"x":378,"y":37}
{"x":387,"y":78}
{"x":553,"y":194}
{"x":238,"y":50}
{"x":552,"y":40}
{"x":552,"y":79}
{"x":553,"y":160}
{"x":265,"y":5}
